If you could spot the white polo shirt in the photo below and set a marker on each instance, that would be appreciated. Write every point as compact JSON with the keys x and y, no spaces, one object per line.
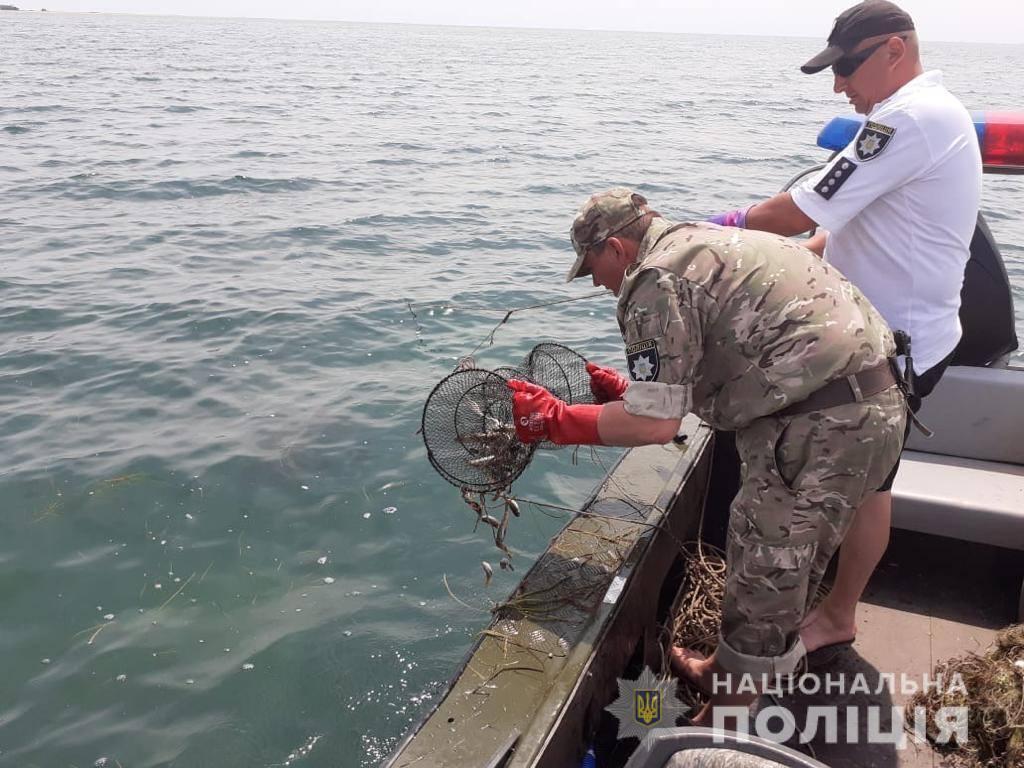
{"x":900,"y":203}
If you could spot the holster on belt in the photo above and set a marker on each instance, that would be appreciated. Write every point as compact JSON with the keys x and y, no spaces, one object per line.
{"x":907,"y":382}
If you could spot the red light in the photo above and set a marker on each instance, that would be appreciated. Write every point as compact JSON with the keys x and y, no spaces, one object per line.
{"x":1003,"y":145}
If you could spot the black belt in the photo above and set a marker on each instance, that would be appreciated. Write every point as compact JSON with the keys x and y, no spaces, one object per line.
{"x":849,"y":389}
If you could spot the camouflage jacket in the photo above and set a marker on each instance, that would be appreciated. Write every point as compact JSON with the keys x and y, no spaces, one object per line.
{"x":737,"y":324}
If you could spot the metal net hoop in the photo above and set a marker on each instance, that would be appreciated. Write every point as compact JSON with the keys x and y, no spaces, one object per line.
{"x":468,"y":431}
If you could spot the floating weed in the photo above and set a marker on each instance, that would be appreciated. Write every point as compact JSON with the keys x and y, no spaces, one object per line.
{"x":178,"y":592}
{"x":95,"y":629}
{"x":119,"y":481}
{"x":98,"y":489}
{"x":54,"y":508}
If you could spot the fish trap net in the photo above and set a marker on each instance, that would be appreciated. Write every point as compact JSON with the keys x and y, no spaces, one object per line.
{"x":560,"y":370}
{"x":467,"y":420}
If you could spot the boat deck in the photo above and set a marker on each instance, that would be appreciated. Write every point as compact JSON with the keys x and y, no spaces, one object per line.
{"x":532,"y":690}
{"x":931,"y":599}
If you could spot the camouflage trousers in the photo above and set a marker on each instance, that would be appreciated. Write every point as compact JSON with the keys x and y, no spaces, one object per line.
{"x":802,"y":479}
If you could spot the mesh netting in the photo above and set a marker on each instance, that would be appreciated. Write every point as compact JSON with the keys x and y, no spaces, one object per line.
{"x":562,"y":371}
{"x":467,"y":419}
{"x":468,"y":431}
{"x":521,"y":372}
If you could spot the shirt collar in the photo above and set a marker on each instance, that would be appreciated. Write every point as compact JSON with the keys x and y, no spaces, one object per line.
{"x":655,"y":230}
{"x":924,"y":80}
{"x":653,"y":234}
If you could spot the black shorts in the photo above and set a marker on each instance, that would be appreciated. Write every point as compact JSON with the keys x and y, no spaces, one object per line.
{"x":923,"y":385}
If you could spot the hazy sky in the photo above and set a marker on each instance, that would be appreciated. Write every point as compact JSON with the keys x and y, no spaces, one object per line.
{"x":970,"y":20}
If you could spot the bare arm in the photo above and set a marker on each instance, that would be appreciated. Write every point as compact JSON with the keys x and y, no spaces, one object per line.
{"x":780,"y":215}
{"x":616,"y":426}
{"x":816,"y":242}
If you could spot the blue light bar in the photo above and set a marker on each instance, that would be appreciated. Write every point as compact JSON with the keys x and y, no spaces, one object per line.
{"x":839,"y":131}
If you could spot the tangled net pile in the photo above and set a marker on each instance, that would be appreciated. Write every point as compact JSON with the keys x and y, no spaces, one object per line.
{"x":993,"y":692}
{"x":699,"y":615}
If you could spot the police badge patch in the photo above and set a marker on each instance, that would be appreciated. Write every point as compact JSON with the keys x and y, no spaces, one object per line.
{"x":642,"y":360}
{"x":872,"y":139}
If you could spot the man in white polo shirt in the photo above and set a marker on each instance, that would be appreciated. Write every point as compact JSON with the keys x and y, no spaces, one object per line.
{"x":899,"y":204}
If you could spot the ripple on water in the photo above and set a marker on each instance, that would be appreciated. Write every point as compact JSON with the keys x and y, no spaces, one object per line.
{"x":212,"y":375}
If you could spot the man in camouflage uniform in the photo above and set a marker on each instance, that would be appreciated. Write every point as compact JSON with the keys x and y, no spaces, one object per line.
{"x":753,"y":333}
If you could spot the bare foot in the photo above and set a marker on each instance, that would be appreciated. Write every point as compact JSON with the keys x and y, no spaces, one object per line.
{"x":693,"y":667}
{"x":820,"y":628}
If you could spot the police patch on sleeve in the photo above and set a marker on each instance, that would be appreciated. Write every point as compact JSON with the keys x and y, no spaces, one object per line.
{"x":642,"y":360}
{"x":872,"y":140}
{"x":836,"y":176}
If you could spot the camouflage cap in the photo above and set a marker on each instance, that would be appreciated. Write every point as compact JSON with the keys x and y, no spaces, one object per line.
{"x":604,"y":214}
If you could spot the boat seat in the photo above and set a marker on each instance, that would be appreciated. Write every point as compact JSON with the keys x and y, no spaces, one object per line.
{"x":692,"y":747}
{"x":980,"y":501}
{"x":967,"y":481}
{"x":976,"y":414}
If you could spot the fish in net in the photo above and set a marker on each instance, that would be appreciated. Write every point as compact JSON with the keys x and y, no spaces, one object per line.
{"x":468,"y":428}
{"x":468,"y":431}
{"x":467,"y":419}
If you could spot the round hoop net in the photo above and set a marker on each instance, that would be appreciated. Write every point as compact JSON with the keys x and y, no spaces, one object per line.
{"x":562,"y":371}
{"x":468,"y":431}
{"x":467,"y":419}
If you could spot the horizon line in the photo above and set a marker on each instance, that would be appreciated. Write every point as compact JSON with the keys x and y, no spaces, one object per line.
{"x":471,"y":26}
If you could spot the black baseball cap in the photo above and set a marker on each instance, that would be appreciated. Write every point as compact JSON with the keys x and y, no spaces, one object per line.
{"x":868,"y":19}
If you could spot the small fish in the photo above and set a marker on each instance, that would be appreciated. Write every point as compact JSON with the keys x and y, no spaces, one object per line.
{"x":503,"y":528}
{"x":489,"y":437}
{"x":499,"y":535}
{"x":491,"y":521}
{"x":483,"y":461}
{"x":513,"y":506}
{"x":506,"y":564}
{"x":488,"y":572}
{"x":467,"y":496}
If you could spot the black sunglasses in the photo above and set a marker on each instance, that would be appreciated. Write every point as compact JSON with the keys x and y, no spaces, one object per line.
{"x":851,"y":62}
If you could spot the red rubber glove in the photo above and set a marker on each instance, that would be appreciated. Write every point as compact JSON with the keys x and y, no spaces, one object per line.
{"x":539,"y":415}
{"x":607,"y":384}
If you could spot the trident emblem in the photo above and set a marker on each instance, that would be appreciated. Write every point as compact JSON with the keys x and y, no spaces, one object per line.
{"x":647,"y":706}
